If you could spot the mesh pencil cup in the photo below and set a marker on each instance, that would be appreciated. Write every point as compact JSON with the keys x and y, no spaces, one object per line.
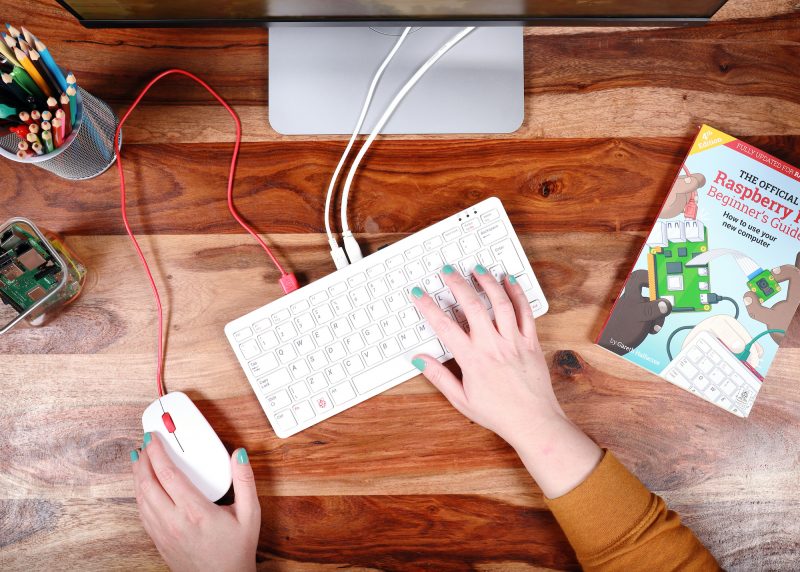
{"x":88,"y":150}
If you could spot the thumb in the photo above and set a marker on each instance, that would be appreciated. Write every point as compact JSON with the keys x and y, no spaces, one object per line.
{"x":443,"y":379}
{"x":246,"y":505}
{"x":653,"y":310}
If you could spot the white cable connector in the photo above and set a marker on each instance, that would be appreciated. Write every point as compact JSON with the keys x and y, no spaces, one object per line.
{"x":385,"y":117}
{"x":352,"y":247}
{"x":338,"y":255}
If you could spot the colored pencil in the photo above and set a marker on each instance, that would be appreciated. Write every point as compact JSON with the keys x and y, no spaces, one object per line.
{"x":9,"y":41}
{"x":58,"y":132}
{"x":46,"y":126}
{"x":47,"y":115}
{"x":8,"y":54}
{"x":33,"y":128}
{"x":22,"y":145}
{"x":72,"y":93}
{"x":20,"y":130}
{"x":21,"y":77}
{"x":7,"y":111}
{"x":20,"y":94}
{"x":25,"y":117}
{"x":36,"y":117}
{"x":71,"y":79}
{"x":42,"y":68}
{"x":33,"y":138}
{"x":52,"y":103}
{"x":51,"y":63}
{"x":47,"y":139}
{"x":24,"y":46}
{"x":37,"y":148}
{"x":24,"y":154}
{"x":12,"y":30}
{"x":62,"y":116}
{"x":32,"y":71}
{"x":30,"y":38}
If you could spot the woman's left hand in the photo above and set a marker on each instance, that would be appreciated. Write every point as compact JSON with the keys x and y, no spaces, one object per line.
{"x":189,"y":531}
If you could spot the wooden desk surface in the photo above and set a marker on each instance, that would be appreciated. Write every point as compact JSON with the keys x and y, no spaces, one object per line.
{"x":403,"y":481}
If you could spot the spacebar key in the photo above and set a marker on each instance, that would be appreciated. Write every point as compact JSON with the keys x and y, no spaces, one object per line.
{"x":395,"y":367}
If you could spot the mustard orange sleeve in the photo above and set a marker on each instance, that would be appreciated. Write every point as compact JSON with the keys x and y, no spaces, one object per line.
{"x":615,"y":523}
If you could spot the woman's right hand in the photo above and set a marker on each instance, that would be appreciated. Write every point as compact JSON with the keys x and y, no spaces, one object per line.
{"x":506,"y":385}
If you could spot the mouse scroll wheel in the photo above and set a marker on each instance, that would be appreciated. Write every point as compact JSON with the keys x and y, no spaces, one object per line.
{"x":167,"y":419}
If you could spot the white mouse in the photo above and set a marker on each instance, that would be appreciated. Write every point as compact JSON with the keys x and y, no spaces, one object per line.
{"x":191,"y":443}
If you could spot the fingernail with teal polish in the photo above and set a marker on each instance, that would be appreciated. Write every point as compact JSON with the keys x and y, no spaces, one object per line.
{"x":134,"y":455}
{"x":480,"y":269}
{"x":241,"y":457}
{"x":147,"y":438}
{"x":447,"y":269}
{"x":417,"y":292}
{"x":511,"y":279}
{"x":419,"y":363}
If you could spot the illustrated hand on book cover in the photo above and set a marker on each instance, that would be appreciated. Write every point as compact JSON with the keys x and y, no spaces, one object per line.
{"x":731,"y":212}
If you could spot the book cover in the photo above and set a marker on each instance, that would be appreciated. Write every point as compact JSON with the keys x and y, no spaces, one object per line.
{"x":715,"y":287}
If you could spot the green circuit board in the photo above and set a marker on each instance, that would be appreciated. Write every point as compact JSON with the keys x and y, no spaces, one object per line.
{"x":764,"y":285}
{"x":686,"y":287}
{"x":28,"y":272}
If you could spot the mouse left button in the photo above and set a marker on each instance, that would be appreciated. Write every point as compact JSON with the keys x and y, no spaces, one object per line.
{"x":168,"y":423}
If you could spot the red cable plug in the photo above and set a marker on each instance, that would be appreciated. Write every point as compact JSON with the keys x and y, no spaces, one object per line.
{"x":289,"y":283}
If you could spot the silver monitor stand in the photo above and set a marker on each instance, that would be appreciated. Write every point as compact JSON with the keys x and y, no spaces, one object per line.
{"x":319,"y":76}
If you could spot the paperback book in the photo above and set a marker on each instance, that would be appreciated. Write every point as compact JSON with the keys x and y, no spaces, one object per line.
{"x":714,"y":289}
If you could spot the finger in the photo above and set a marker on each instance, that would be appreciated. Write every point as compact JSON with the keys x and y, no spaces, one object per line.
{"x":785,"y":273}
{"x":504,"y":315}
{"x":178,"y":486}
{"x":638,"y":280}
{"x":448,"y":331}
{"x":471,"y":304}
{"x":653,"y":310}
{"x":148,"y":490}
{"x":656,"y":326}
{"x":522,"y":308}
{"x":246,"y":505}
{"x":442,"y":379}
{"x":754,"y":308}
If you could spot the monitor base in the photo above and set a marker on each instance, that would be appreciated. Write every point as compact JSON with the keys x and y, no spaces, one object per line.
{"x":319,"y":76}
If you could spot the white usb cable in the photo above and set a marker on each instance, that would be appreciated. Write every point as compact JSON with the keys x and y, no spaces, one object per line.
{"x":337,"y":253}
{"x":350,"y":243}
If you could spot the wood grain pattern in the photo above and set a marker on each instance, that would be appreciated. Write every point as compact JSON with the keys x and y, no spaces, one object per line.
{"x":402,"y":482}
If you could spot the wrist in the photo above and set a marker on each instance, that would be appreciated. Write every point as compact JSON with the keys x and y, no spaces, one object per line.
{"x":541,"y":426}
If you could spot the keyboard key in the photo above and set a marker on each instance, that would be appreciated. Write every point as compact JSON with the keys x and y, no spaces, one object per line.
{"x":468,"y":264}
{"x":322,"y":336}
{"x":357,"y":279}
{"x":728,"y":387}
{"x":433,"y":262}
{"x":700,"y":381}
{"x":485,"y":257}
{"x":262,"y":325}
{"x":341,"y":327}
{"x":471,"y":225}
{"x":414,"y":252}
{"x":335,"y":351}
{"x":451,"y":234}
{"x":694,"y":354}
{"x":286,"y":331}
{"x":242,"y":334}
{"x":724,"y":402}
{"x":377,"y":310}
{"x":359,"y":296}
{"x":338,"y":289}
{"x":711,"y":393}
{"x":469,"y":244}
{"x":322,"y":314}
{"x":505,"y":253}
{"x":408,"y":339}
{"x":318,"y":298}
{"x":299,"y":369}
{"x":498,"y":272}
{"x":445,"y":299}
{"x":286,"y":353}
{"x":409,"y":316}
{"x":415,"y":270}
{"x":304,"y":345}
{"x":492,"y":232}
{"x":300,"y":306}
{"x":304,"y":323}
{"x":433,"y":243}
{"x":390,"y":325}
{"x":714,"y":356}
{"x":371,"y":356}
{"x":705,"y":365}
{"x":396,"y":279}
{"x":395,"y":301}
{"x":250,"y":349}
{"x":342,"y":393}
{"x":451,"y":253}
{"x":303,"y":411}
{"x":675,"y":376}
{"x":432,"y":283}
{"x":278,"y":400}
{"x":299,"y":390}
{"x":376,"y":270}
{"x":716,"y":376}
{"x":372,"y":334}
{"x":490,"y":216}
{"x":317,"y":382}
{"x":334,"y":373}
{"x":359,"y":318}
{"x":353,"y":365}
{"x":525,"y":282}
{"x":390,"y":347}
{"x":275,"y":380}
{"x":424,"y":331}
{"x":353,"y":343}
{"x":321,"y":403}
{"x":378,"y":288}
{"x":281,"y":316}
{"x":687,"y":369}
{"x":264,"y":364}
{"x":395,"y":261}
{"x":704,"y":347}
{"x":341,"y":305}
{"x":285,"y":420}
{"x":317,"y":360}
{"x":391,"y":369}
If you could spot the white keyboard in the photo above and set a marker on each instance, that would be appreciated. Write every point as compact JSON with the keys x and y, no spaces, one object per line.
{"x":332,"y":344}
{"x":707,"y":368}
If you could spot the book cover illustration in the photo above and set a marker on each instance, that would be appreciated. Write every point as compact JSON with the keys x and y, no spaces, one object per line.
{"x":716,"y":285}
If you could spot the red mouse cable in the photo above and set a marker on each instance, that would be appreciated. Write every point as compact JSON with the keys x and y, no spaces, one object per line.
{"x":288,"y":281}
